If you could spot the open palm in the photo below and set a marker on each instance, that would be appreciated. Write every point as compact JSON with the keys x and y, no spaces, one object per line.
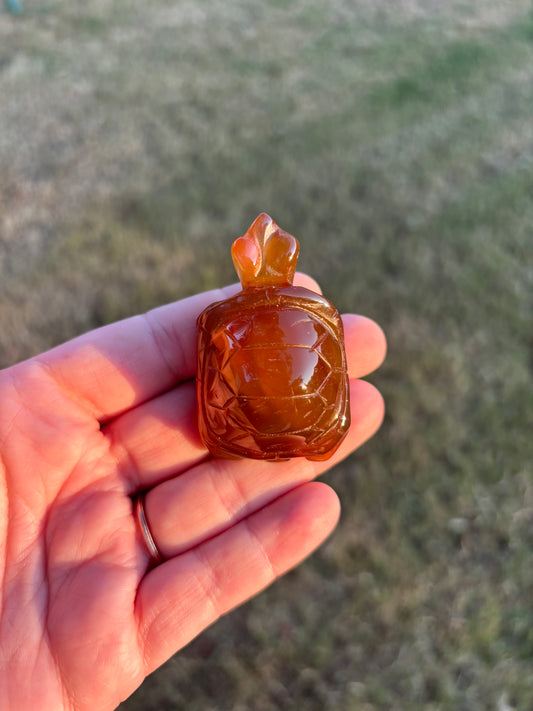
{"x":84,"y":617}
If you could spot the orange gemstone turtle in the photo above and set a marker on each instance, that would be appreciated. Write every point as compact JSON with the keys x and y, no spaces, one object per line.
{"x":271,"y":379}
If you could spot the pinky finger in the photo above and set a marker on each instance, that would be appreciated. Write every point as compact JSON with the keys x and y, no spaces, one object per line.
{"x":183,"y":596}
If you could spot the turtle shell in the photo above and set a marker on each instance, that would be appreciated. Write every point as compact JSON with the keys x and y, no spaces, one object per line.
{"x":272,"y":381}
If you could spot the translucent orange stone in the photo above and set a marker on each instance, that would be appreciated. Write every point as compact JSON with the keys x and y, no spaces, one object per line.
{"x":271,"y":379}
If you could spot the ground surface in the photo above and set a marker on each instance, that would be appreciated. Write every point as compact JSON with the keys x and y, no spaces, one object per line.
{"x":395,"y":140}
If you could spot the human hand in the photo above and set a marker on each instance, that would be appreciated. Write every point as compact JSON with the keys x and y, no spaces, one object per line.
{"x":84,"y":617}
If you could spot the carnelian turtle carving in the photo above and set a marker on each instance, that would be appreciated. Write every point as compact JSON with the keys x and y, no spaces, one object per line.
{"x":271,"y":379}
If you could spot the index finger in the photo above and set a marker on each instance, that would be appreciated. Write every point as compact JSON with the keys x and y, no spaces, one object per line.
{"x":116,"y":367}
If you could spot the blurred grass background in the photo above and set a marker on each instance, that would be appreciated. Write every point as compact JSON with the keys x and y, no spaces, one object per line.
{"x":395,"y":140}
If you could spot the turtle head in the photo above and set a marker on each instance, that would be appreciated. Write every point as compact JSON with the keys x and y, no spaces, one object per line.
{"x":265,"y":255}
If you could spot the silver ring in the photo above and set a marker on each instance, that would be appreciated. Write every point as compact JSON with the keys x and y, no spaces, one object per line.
{"x":145,"y":530}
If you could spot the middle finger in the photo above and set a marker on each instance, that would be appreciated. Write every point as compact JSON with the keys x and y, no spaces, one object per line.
{"x":217,"y":493}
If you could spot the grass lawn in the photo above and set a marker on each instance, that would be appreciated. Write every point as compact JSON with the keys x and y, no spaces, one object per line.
{"x":395,"y":140}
